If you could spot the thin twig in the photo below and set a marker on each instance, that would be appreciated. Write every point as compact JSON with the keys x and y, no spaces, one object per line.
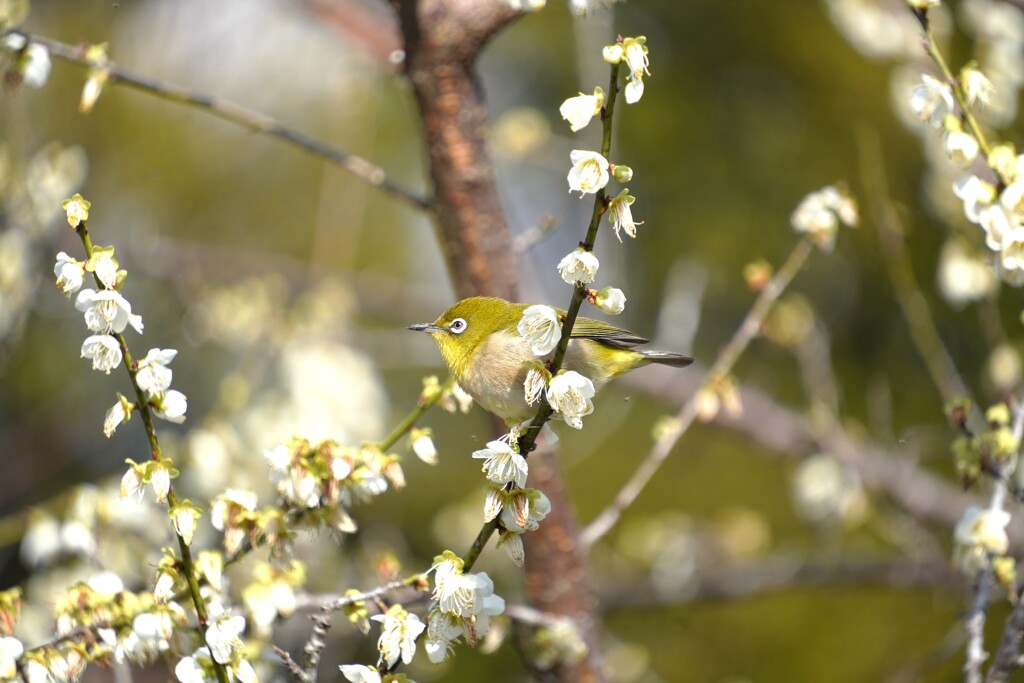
{"x":747,"y":330}
{"x":232,"y":112}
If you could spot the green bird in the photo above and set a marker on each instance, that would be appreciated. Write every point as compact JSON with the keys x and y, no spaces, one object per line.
{"x":480,"y":341}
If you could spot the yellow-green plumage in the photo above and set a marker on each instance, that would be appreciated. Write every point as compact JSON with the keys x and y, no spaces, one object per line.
{"x":486,"y":353}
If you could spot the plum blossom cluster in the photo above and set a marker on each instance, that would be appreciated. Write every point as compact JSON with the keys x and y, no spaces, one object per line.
{"x":568,"y":393}
{"x":981,"y":540}
{"x":820,"y":214}
{"x":317,"y":483}
{"x":224,"y":646}
{"x":107,"y":315}
{"x":994,"y":199}
{"x":464,"y":604}
{"x":96,"y":621}
{"x":998,"y":209}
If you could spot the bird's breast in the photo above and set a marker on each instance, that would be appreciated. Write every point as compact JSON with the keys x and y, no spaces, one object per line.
{"x":495,"y":375}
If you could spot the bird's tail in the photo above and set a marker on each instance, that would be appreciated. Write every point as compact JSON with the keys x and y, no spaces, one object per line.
{"x":676,"y":360}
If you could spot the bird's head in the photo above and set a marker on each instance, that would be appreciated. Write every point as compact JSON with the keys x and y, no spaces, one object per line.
{"x":461,"y":330}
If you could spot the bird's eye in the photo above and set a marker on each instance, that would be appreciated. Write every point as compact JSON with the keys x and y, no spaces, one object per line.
{"x":458,"y":326}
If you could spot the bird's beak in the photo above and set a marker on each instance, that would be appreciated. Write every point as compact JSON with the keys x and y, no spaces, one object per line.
{"x":425,"y":327}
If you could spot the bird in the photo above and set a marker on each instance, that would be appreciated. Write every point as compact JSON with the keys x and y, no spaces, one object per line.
{"x":481,"y":344}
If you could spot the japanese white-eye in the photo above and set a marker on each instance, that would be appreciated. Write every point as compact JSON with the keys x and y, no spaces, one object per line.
{"x":481,"y":344}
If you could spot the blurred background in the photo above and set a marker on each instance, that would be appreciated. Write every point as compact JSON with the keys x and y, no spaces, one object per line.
{"x":286,"y":285}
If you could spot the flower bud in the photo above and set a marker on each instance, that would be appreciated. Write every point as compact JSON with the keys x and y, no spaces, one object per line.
{"x":610,"y":300}
{"x":623,"y":174}
{"x":613,"y":54}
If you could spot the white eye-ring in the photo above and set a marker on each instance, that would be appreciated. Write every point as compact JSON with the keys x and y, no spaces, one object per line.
{"x":458,"y":326}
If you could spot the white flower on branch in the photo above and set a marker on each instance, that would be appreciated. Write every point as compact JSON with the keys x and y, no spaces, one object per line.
{"x":69,"y":273}
{"x":502,"y":464}
{"x":621,"y":215}
{"x":360,"y":673}
{"x":589,"y":172}
{"x":104,"y":352}
{"x":170,"y":405}
{"x":524,"y":510}
{"x":579,"y":110}
{"x":107,"y":312}
{"x":222,"y":635}
{"x":931,"y":100}
{"x":634,"y":51}
{"x":399,"y":631}
{"x":541,"y":327}
{"x":570,"y":394}
{"x":153,"y":376}
{"x":579,"y":265}
{"x":610,"y":301}
{"x":979,"y":534}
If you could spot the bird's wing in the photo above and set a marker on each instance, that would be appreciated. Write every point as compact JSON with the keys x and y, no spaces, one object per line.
{"x":587,"y":328}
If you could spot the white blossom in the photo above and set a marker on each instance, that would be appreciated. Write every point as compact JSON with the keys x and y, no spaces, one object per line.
{"x":114,"y":417}
{"x":189,"y":670}
{"x":104,"y":267}
{"x":962,"y":148}
{"x":975,"y":193}
{"x":589,"y":172}
{"x":360,"y":673}
{"x":107,"y":311}
{"x":160,"y":480}
{"x":422,"y":444}
{"x":104,"y":352}
{"x":11,"y":650}
{"x":976,"y":85}
{"x":77,"y":209}
{"x":222,"y":634}
{"x":541,"y":327}
{"x":635,"y":55}
{"x":963,"y":277}
{"x":170,"y":406}
{"x":442,"y":630}
{"x":163,"y":589}
{"x":535,"y":384}
{"x":69,"y":273}
{"x":399,"y":631}
{"x":979,"y":533}
{"x":502,"y":464}
{"x":223,"y":507}
{"x":621,"y":215}
{"x":931,"y":100}
{"x":820,"y":213}
{"x":524,"y":510}
{"x":513,"y":545}
{"x":579,"y":110}
{"x":132,"y":483}
{"x":570,"y":394}
{"x":610,"y":301}
{"x":185,"y":518}
{"x":997,"y":223}
{"x":153,"y":375}
{"x":579,"y":265}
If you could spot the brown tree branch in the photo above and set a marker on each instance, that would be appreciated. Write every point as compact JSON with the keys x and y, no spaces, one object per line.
{"x":443,"y":39}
